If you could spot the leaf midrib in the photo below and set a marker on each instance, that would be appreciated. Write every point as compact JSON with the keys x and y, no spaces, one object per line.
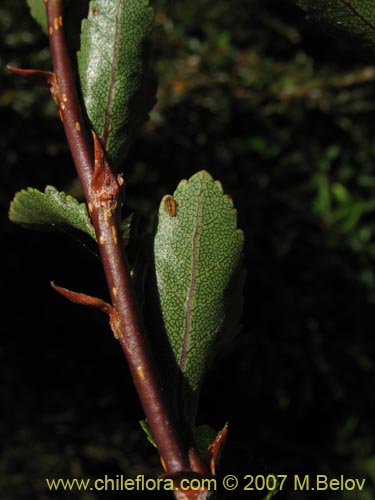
{"x":354,"y":11}
{"x":192,"y":288}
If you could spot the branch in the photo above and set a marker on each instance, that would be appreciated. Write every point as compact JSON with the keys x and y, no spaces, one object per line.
{"x":103,"y":192}
{"x":66,"y":96}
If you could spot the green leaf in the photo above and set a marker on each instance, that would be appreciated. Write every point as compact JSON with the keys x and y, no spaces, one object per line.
{"x":353,"y":17}
{"x":117,"y":84}
{"x":38,"y":12}
{"x":197,"y":252}
{"x":147,"y":431}
{"x":52,"y":210}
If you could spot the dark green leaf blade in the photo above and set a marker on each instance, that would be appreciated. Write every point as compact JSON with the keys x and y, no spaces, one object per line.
{"x":38,"y":12}
{"x":146,"y":429}
{"x":51,"y":210}
{"x":117,"y":84}
{"x":353,"y":17}
{"x":197,"y":251}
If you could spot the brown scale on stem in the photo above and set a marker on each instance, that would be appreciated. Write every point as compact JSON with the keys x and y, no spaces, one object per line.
{"x":105,"y":188}
{"x":114,"y":234}
{"x":141,"y":373}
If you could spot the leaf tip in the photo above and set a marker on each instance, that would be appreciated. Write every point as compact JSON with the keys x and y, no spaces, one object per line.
{"x":38,"y":12}
{"x":13,"y":212}
{"x":204,"y":175}
{"x":182,"y":183}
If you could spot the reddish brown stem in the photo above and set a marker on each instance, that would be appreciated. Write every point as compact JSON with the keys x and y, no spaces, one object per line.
{"x":66,"y":96}
{"x":102,"y":193}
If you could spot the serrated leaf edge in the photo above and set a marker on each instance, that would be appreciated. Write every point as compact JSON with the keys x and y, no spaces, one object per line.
{"x":60,"y":197}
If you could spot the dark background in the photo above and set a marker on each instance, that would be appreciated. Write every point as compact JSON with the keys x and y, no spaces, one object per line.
{"x":282,"y":113}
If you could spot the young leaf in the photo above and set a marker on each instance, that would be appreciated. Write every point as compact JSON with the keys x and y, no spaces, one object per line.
{"x":38,"y":12}
{"x":146,"y":429}
{"x":117,"y":85}
{"x":353,"y":17}
{"x":49,"y":210}
{"x":197,"y":250}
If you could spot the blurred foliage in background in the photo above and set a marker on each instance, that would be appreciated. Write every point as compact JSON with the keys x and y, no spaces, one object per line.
{"x":283,"y":114}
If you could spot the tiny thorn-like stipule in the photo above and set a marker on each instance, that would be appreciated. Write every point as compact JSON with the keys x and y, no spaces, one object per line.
{"x":82,"y":298}
{"x":45,"y":78}
{"x":215,"y":448}
{"x":88,"y":300}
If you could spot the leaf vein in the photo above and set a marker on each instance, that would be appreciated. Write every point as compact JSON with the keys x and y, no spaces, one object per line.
{"x":188,"y":316}
{"x":180,"y":299}
{"x":214,"y":266}
{"x":354,"y":11}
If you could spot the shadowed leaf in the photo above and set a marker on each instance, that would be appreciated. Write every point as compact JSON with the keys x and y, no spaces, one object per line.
{"x":353,"y":17}
{"x":38,"y":12}
{"x":117,"y":85}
